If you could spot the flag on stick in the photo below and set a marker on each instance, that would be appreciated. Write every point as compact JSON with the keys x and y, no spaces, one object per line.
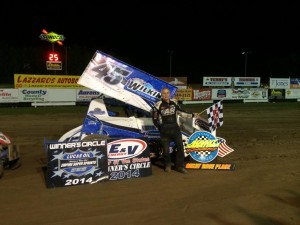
{"x":215,"y":116}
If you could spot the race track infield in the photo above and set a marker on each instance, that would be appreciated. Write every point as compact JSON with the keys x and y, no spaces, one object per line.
{"x":263,"y":189}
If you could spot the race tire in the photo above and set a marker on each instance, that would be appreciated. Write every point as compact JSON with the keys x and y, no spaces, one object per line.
{"x":14,"y":164}
{"x":1,"y":168}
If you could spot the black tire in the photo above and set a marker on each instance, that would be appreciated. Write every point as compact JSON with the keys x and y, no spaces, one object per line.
{"x":15,"y":164}
{"x":1,"y":168}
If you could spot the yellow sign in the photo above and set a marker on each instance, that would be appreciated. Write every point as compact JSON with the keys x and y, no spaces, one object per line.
{"x":210,"y":166}
{"x":52,"y":37}
{"x":184,"y":94}
{"x":46,"y":81}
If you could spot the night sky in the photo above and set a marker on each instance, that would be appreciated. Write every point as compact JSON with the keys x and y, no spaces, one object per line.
{"x":177,"y":39}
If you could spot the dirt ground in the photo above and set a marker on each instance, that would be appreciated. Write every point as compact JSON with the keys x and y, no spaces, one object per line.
{"x":263,"y":189}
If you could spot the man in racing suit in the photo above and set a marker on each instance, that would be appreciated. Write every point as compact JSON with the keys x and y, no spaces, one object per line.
{"x":164,"y":117}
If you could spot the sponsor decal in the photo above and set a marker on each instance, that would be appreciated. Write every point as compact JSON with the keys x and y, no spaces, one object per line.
{"x":78,"y":163}
{"x":140,"y":87}
{"x":97,"y":111}
{"x":125,"y":148}
{"x":128,"y":158}
{"x":202,"y":146}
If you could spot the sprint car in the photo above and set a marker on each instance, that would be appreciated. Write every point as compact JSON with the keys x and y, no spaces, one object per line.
{"x":136,"y":91}
{"x":9,"y":154}
{"x":126,"y":121}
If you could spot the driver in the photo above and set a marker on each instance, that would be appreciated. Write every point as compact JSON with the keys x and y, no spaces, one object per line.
{"x":164,"y":117}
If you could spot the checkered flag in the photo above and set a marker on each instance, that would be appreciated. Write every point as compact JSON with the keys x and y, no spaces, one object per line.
{"x":215,"y":116}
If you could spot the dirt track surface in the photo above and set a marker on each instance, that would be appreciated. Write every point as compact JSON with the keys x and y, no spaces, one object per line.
{"x":263,"y":189}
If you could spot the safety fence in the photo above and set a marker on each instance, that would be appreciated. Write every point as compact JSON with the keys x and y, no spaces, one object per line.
{"x":45,"y":96}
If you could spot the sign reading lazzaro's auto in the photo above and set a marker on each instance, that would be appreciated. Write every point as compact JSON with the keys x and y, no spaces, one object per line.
{"x":128,"y":158}
{"x":76,"y":163}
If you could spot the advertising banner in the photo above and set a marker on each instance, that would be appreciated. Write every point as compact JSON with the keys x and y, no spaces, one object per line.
{"x":224,"y":93}
{"x":46,"y":95}
{"x":217,"y":81}
{"x":45,"y":81}
{"x":295,"y":82}
{"x":86,"y":95}
{"x":276,"y":93}
{"x":292,"y":94}
{"x":184,"y":94}
{"x":9,"y":95}
{"x":122,"y":81}
{"x":128,"y":158}
{"x":201,"y":94}
{"x":253,"y":94}
{"x":240,"y":93}
{"x":247,"y":81}
{"x":279,"y":83}
{"x":76,"y":163}
{"x":33,"y":95}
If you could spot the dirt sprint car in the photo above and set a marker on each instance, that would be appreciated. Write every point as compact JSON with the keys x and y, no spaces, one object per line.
{"x":9,"y":154}
{"x":133,"y":90}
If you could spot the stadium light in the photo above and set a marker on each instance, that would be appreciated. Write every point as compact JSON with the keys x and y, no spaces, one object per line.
{"x":246,"y":61}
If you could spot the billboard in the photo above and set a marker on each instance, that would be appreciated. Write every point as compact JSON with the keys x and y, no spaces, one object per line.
{"x":279,"y":83}
{"x":217,"y":81}
{"x":45,"y":81}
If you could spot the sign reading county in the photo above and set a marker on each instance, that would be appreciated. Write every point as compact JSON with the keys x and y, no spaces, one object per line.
{"x":76,"y":163}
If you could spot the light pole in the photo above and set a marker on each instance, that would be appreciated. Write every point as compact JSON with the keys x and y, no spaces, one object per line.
{"x":246,"y":61}
{"x":170,"y":52}
{"x":66,"y":66}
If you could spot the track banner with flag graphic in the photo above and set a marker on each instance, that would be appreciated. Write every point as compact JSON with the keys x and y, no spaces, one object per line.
{"x":215,"y":116}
